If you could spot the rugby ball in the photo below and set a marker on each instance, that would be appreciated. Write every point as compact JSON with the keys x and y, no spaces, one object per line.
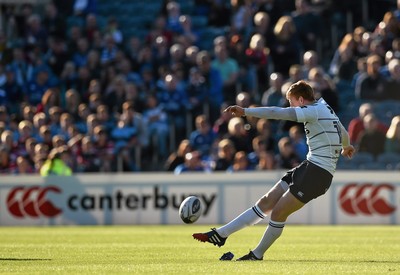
{"x":190,"y":209}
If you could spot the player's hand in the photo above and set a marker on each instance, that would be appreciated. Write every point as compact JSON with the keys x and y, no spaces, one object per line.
{"x":348,"y":151}
{"x":235,"y":110}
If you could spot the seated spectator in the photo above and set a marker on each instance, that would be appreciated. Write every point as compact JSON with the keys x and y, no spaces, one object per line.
{"x":238,"y":135}
{"x":57,"y":163}
{"x":87,"y":159}
{"x":343,"y":65}
{"x":259,"y":146}
{"x":193,"y":163}
{"x":371,"y":140}
{"x":105,"y":149}
{"x":356,"y":125}
{"x":265,"y":132}
{"x":286,"y":158}
{"x":197,"y":93}
{"x":273,"y":96}
{"x":202,"y":139}
{"x":240,"y":163}
{"x":285,"y":47}
{"x":157,"y":123}
{"x":393,"y":83}
{"x":6,"y":165}
{"x":324,"y":87}
{"x":173,"y":102}
{"x":308,"y":24}
{"x":24,"y":166}
{"x":178,"y":157}
{"x":266,"y":161}
{"x":371,"y":85}
{"x":298,"y":139}
{"x":220,"y":126}
{"x":392,"y":143}
{"x":214,"y":84}
{"x":58,"y":141}
{"x":225,"y":154}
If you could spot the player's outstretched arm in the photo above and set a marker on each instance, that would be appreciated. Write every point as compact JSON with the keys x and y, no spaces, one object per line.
{"x":264,"y":112}
{"x":347,"y":149}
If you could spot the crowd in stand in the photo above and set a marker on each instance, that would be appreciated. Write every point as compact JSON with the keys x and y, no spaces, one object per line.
{"x":83,"y":98}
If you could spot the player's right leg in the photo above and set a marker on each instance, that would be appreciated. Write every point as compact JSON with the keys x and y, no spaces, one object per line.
{"x":249,"y":217}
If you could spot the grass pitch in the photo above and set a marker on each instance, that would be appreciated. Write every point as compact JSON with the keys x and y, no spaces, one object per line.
{"x":171,"y":250}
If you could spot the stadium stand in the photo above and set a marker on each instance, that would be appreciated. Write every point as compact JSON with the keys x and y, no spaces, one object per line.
{"x":128,"y":59}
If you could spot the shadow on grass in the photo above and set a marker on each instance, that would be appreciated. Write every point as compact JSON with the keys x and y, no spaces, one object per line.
{"x":341,"y":261}
{"x":22,"y":259}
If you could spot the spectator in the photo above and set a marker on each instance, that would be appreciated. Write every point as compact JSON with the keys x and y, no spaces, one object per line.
{"x":6,"y":165}
{"x":265,"y":132}
{"x":87,"y":160}
{"x":285,"y":47}
{"x":203,"y":137}
{"x":324,"y":87}
{"x":173,"y":102}
{"x":238,"y":135}
{"x":38,"y":86}
{"x":24,"y":166}
{"x":197,"y":93}
{"x":192,"y":163}
{"x":392,"y":143}
{"x":371,"y":140}
{"x":259,"y":146}
{"x":308,"y":24}
{"x":393,"y":83}
{"x":68,"y":76}
{"x":356,"y":125}
{"x":10,"y":91}
{"x":112,"y":28}
{"x":157,"y":122}
{"x":266,"y":161}
{"x":225,"y":154}
{"x":177,"y":158}
{"x":286,"y":158}
{"x":188,"y":35}
{"x":229,"y":70}
{"x":343,"y":65}
{"x":72,"y":102}
{"x":258,"y":59}
{"x":105,"y":149}
{"x":214,"y":84}
{"x":57,"y":163}
{"x":220,"y":126}
{"x":298,"y":139}
{"x":310,"y":61}
{"x":273,"y":96}
{"x":240,"y":163}
{"x":371,"y":85}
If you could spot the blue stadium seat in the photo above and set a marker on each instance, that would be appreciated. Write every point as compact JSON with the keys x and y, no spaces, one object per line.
{"x":390,"y":160}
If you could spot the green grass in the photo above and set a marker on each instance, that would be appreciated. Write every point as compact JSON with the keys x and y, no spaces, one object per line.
{"x":171,"y":250}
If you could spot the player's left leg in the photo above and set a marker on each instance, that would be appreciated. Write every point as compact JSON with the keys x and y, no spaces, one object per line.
{"x":287,"y":205}
{"x":251,"y":216}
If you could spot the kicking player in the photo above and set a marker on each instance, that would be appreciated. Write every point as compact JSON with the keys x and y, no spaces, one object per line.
{"x":326,"y":139}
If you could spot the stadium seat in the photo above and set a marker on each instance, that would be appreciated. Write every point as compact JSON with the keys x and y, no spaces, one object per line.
{"x":390,"y":160}
{"x":372,"y":166}
{"x":362,"y":157}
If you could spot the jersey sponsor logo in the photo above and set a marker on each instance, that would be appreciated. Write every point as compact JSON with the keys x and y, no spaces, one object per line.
{"x":32,"y":202}
{"x":366,"y":199}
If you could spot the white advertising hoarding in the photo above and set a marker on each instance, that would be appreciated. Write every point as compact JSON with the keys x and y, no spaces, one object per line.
{"x":354,"y":198}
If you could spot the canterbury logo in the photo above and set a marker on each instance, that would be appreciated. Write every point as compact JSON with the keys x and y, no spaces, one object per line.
{"x":366,"y":199}
{"x":32,"y":202}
